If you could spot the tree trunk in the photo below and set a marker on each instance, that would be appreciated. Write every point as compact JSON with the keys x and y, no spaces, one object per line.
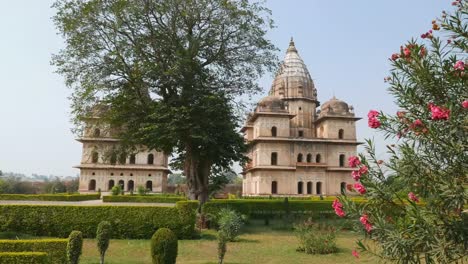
{"x":204,"y":168}
{"x":102,"y":258}
{"x":190,"y":171}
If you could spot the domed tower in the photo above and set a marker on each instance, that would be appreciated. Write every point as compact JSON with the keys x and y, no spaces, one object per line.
{"x":295,"y":86}
{"x":336,"y":120}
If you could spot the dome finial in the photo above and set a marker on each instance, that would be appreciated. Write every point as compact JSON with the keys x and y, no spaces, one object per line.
{"x":292,"y":47}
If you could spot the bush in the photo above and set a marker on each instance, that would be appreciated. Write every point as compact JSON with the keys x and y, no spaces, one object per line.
{"x":116,"y":190}
{"x":141,"y":190}
{"x":127,"y":221}
{"x":56,"y":249}
{"x":103,"y":234}
{"x":230,"y":223}
{"x":222,"y":246}
{"x":74,"y":247}
{"x":315,"y":238}
{"x":23,"y":257}
{"x":164,"y":247}
{"x":143,"y":199}
{"x":50,"y":197}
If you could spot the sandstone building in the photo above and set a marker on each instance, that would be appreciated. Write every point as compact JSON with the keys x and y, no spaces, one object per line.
{"x":297,"y":149}
{"x":102,"y":168}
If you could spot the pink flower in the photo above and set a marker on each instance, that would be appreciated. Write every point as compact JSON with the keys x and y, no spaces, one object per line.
{"x":360,"y":188}
{"x":459,"y":65}
{"x":356,"y":175}
{"x":339,"y":212}
{"x":439,"y":113}
{"x":353,"y":161}
{"x":423,"y":52}
{"x":338,"y":208}
{"x":374,"y":123}
{"x":355,"y":254}
{"x":417,"y":123}
{"x":395,"y":56}
{"x":372,"y":114}
{"x":407,"y":52}
{"x":401,"y":114}
{"x":413,"y":197}
{"x":465,"y":104}
{"x":364,"y":219}
{"x":363,"y":170}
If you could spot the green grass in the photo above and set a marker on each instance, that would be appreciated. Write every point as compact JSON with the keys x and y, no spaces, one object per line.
{"x":257,"y":244}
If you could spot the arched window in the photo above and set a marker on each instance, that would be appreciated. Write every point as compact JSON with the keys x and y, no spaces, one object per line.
{"x":149,"y":186}
{"x":150,"y":159}
{"x":122,"y":158}
{"x":309,"y":187}
{"x":301,"y":133}
{"x":309,"y":158}
{"x":318,"y":158}
{"x":132,"y":159}
{"x":299,"y":157}
{"x":97,"y":132}
{"x":273,"y":131}
{"x":300,"y":187}
{"x":111,"y":184}
{"x":340,"y":133}
{"x":113,"y":158}
{"x":274,"y":158}
{"x":342,"y":160}
{"x":274,"y":187}
{"x":318,"y":187}
{"x":343,"y":187}
{"x":121,"y":184}
{"x":92,"y":185}
{"x":130,"y":185}
{"x":94,"y":157}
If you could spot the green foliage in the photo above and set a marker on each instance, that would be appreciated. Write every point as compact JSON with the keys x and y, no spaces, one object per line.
{"x":103,"y":235}
{"x":164,"y":247}
{"x":428,"y":161}
{"x":23,"y":257}
{"x":141,"y":190}
{"x":15,"y":185}
{"x":143,"y":199}
{"x":230,"y":223}
{"x":127,"y":221}
{"x":316,"y":238}
{"x":55,"y":186}
{"x":176,"y":178}
{"x":56,"y":249}
{"x":74,"y":247}
{"x":50,"y":197}
{"x":116,"y":190}
{"x":222,"y":246}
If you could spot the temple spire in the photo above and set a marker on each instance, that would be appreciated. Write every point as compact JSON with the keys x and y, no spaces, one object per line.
{"x":292,"y":47}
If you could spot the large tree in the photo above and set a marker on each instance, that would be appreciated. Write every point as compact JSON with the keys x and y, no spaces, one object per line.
{"x":416,"y":200}
{"x":170,"y":70}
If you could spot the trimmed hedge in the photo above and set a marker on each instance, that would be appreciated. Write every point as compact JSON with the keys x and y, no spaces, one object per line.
{"x":164,"y":247}
{"x":50,"y":197}
{"x":56,"y":249}
{"x":139,"y":222}
{"x":142,"y":199}
{"x":257,"y":207}
{"x":23,"y":258}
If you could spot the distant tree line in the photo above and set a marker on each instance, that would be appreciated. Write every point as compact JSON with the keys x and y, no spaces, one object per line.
{"x":14,"y":185}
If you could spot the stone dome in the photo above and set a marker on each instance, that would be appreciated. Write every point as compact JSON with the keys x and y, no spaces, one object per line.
{"x":293,"y":79}
{"x":335,"y":106}
{"x":271,"y":103}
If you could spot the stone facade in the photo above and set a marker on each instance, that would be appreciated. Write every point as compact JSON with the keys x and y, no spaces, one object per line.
{"x":295,"y":148}
{"x":102,"y":167}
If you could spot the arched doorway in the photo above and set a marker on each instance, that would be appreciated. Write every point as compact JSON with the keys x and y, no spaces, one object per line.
{"x":318,"y":187}
{"x":309,"y":187}
{"x":343,"y":187}
{"x":150,"y":159}
{"x":340,"y":133}
{"x":274,"y":187}
{"x":111,"y":184}
{"x":274,"y":158}
{"x":122,"y":184}
{"x":300,"y":187}
{"x":342,"y":160}
{"x":130,"y":185}
{"x":273,"y":131}
{"x":149,"y":186}
{"x":92,"y":185}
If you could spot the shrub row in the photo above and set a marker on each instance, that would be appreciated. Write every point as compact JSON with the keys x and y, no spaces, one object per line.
{"x":24,"y":258}
{"x":300,"y":198}
{"x":258,"y":208}
{"x":142,"y":199}
{"x":56,"y":249}
{"x":50,"y":197}
{"x":127,"y":221}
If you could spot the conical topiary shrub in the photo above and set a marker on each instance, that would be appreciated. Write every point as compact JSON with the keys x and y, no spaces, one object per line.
{"x":164,"y":247}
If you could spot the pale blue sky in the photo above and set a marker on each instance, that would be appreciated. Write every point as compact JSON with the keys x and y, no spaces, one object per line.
{"x":345,"y":45}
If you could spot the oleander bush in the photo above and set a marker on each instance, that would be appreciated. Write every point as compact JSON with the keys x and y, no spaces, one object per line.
{"x":135,"y":222}
{"x":56,"y":249}
{"x":23,"y":258}
{"x":74,"y":247}
{"x":50,"y":197}
{"x":143,"y":199}
{"x":164,"y":247}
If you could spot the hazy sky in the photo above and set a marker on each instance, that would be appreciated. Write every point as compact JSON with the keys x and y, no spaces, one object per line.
{"x":345,"y":44}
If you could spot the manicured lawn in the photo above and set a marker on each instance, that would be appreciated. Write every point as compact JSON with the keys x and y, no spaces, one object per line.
{"x":257,"y":244}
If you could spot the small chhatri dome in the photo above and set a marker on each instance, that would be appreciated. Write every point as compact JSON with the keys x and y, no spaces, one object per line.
{"x":293,"y":79}
{"x":271,"y":103}
{"x":335,"y":106}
